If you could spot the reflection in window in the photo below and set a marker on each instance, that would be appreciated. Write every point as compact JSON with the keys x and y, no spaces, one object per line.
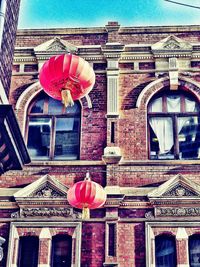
{"x":165,"y":251}
{"x":61,"y":253}
{"x":194,"y":250}
{"x":28,"y":251}
{"x":174,"y":127}
{"x":53,"y":130}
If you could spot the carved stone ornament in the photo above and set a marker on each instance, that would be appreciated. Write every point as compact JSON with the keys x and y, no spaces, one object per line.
{"x":149,"y":215}
{"x":180,"y":191}
{"x":47,"y":192}
{"x":56,"y":46}
{"x":177,"y":212}
{"x":49,"y":212}
{"x":15,"y":214}
{"x":172,"y":44}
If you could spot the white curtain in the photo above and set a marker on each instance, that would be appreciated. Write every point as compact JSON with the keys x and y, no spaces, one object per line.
{"x":162,"y":126}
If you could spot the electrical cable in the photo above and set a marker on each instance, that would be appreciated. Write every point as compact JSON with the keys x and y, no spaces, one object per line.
{"x":182,"y":4}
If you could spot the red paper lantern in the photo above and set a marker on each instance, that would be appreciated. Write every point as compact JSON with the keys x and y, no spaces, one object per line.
{"x":86,"y":195}
{"x":67,"y":77}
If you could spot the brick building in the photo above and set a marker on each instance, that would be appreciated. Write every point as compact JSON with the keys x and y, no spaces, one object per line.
{"x":140,"y":140}
{"x":13,"y":153}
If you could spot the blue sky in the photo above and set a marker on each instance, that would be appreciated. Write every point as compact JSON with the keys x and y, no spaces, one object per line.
{"x":96,"y":13}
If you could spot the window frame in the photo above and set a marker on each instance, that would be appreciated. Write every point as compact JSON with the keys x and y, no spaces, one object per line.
{"x":53,"y":118}
{"x":173,"y":115}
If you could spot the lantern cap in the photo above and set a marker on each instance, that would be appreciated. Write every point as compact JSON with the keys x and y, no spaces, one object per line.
{"x":87,"y":177}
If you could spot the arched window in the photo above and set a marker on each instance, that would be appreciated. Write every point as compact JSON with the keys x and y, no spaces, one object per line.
{"x":165,"y":251}
{"x":174,"y":126}
{"x":28,"y":251}
{"x":53,"y":131}
{"x":61,"y":252}
{"x":194,"y":250}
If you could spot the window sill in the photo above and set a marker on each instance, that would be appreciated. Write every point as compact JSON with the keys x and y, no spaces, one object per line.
{"x":160,"y":162}
{"x":67,"y":163}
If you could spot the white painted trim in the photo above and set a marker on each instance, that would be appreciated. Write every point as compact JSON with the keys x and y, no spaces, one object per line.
{"x":181,"y":234}
{"x":141,"y":95}
{"x":149,"y":235}
{"x":45,"y":233}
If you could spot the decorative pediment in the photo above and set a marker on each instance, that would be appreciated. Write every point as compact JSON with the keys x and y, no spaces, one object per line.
{"x":176,"y":187}
{"x":46,"y":197}
{"x":55,"y":45}
{"x":177,"y":197}
{"x":170,"y":44}
{"x":46,"y":187}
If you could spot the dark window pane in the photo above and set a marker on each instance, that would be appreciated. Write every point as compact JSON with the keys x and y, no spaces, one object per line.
{"x":39,"y":137}
{"x":28,"y":251}
{"x":38,"y":106}
{"x":189,"y":137}
{"x":55,"y":106}
{"x":67,"y":138}
{"x":30,"y":67}
{"x":111,"y":239}
{"x":61,"y":251}
{"x":75,"y":109}
{"x":165,"y":251}
{"x":194,"y":250}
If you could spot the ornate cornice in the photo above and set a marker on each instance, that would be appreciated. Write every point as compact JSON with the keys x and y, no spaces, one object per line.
{"x":177,"y":211}
{"x":48,"y":212}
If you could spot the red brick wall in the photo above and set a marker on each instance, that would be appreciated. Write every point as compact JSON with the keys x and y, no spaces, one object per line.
{"x":93,"y":244}
{"x":131,"y":244}
{"x":32,"y":39}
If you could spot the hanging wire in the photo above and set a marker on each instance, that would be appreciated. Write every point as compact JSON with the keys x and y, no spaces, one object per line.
{"x":182,"y":4}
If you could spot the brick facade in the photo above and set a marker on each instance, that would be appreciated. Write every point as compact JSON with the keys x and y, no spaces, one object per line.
{"x":131,"y":66}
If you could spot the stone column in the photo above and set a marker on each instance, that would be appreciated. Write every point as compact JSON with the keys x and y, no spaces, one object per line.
{"x":182,"y":248}
{"x":44,"y":256}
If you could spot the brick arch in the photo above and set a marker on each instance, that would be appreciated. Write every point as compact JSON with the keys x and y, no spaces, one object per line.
{"x":65,"y":231}
{"x":23,"y":102}
{"x":166,"y":233}
{"x":194,"y":232}
{"x":154,"y":87}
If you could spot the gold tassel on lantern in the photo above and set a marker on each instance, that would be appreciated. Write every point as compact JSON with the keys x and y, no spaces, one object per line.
{"x":85,"y":213}
{"x":67,"y":98}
